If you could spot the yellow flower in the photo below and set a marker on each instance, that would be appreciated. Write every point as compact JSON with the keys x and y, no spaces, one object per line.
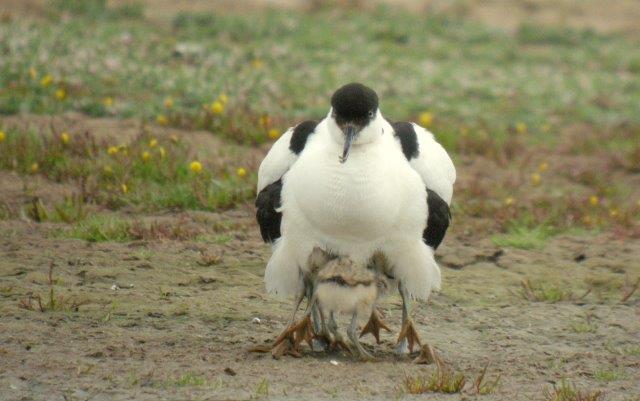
{"x":174,"y":138}
{"x":587,"y":220}
{"x":273,"y":133}
{"x":162,"y":152}
{"x":107,"y":101}
{"x":426,"y":119}
{"x":594,"y":200}
{"x":124,"y":188}
{"x":153,"y":143}
{"x":509,"y":201}
{"x":223,"y":98}
{"x":168,"y":103}
{"x":195,"y":166}
{"x":257,"y":63}
{"x":2,"y":136}
{"x":265,"y":120}
{"x":241,"y":172}
{"x":107,"y":170}
{"x":521,"y":128}
{"x":46,"y":80}
{"x":217,"y":108}
{"x":535,"y":178}
{"x":162,"y":119}
{"x":112,"y":150}
{"x":146,"y":156}
{"x":65,"y":138}
{"x":33,"y":73}
{"x":544,"y":166}
{"x":34,"y":168}
{"x":60,"y":94}
{"x":614,"y":212}
{"x":546,"y":128}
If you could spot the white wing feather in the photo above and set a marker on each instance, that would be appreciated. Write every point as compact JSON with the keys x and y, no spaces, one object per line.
{"x":277,"y":162}
{"x":434,"y":164}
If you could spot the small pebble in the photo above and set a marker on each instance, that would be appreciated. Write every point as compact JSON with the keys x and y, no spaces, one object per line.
{"x":334,"y":362}
{"x":256,"y":320}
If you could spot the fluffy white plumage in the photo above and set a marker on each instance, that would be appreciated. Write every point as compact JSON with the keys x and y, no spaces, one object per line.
{"x":375,"y":201}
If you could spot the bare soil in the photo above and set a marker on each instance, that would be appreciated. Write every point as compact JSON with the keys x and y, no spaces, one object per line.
{"x":175,"y":319}
{"x":173,"y":316}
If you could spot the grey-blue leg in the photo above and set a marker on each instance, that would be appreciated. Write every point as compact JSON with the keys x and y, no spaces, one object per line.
{"x":403,"y":346}
{"x":352,"y":333}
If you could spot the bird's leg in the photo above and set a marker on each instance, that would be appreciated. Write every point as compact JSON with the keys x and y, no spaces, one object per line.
{"x":374,"y":325}
{"x":352,"y":332}
{"x":289,"y":340}
{"x":322,"y":338}
{"x":408,"y":335}
{"x":296,"y":307}
{"x":337,"y":341}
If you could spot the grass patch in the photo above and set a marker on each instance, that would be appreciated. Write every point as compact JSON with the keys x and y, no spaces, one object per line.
{"x":585,"y":326}
{"x":606,"y":375}
{"x":204,"y":55}
{"x":524,"y":237}
{"x":100,"y":228}
{"x":569,"y":392}
{"x":445,"y":380}
{"x":262,"y":390}
{"x":632,"y":349}
{"x":544,"y":292}
{"x":52,"y":302}
{"x":189,"y":379}
{"x":149,"y":173}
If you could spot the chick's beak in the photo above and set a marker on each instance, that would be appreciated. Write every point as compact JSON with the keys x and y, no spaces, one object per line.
{"x":350,"y":134}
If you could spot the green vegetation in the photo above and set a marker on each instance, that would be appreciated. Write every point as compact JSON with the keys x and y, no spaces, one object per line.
{"x":487,"y":94}
{"x":149,"y":172}
{"x":569,"y":392}
{"x":524,"y":237}
{"x":607,"y":375}
{"x":262,"y":390}
{"x":190,"y":379}
{"x":286,"y":65}
{"x":540,"y":291}
{"x":103,"y":227}
{"x":51,"y":302}
{"x":445,"y":380}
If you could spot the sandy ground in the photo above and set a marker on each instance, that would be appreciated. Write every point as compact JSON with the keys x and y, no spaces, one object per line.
{"x":179,"y":329}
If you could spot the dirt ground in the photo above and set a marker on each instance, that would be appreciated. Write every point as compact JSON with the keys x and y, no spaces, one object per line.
{"x":170,"y":319}
{"x":175,"y":319}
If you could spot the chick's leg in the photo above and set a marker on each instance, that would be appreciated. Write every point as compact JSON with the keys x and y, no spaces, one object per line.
{"x":321,"y":338}
{"x":352,"y":332}
{"x":337,"y":341}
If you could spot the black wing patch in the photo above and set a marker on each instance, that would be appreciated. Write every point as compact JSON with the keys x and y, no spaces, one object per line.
{"x":300,"y":134}
{"x":438,"y":220}
{"x":269,"y":219}
{"x":408,"y":139}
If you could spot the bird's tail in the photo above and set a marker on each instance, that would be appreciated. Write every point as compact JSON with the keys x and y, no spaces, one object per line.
{"x":415,"y":266}
{"x":283,"y":276}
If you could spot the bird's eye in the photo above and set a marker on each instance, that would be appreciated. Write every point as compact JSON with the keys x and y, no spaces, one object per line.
{"x":371,"y":113}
